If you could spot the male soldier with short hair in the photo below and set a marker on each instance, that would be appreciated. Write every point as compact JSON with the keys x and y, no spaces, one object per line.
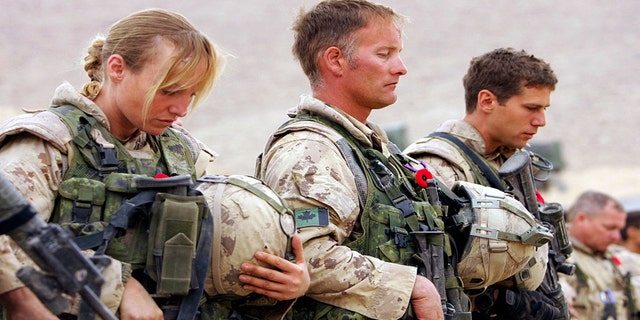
{"x":350,"y":51}
{"x":598,"y":286}
{"x":507,"y":93}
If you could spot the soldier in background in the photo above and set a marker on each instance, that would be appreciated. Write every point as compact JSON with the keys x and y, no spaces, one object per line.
{"x":597,"y":289}
{"x":627,"y":253}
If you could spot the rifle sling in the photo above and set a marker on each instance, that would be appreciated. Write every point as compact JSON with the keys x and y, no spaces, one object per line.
{"x":17,"y":219}
{"x":479,"y":162}
{"x":119,"y":220}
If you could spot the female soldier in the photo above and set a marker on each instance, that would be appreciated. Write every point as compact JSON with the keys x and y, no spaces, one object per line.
{"x":151,"y":67}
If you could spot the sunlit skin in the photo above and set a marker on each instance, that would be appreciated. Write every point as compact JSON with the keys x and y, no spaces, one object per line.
{"x":289,"y":282}
{"x":599,"y":231}
{"x":513,"y":123}
{"x":123,"y":95}
{"x":370,"y":83}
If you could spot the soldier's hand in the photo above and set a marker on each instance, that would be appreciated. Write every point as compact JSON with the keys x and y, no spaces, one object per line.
{"x":526,"y":305}
{"x":137,"y":303}
{"x":288,"y":281}
{"x":23,"y":304}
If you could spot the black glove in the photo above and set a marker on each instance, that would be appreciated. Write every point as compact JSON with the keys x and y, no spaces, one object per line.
{"x":525,"y":305}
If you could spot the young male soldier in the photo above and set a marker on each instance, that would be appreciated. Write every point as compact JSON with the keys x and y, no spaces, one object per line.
{"x":350,"y":51}
{"x":507,"y":93}
{"x":598,"y":286}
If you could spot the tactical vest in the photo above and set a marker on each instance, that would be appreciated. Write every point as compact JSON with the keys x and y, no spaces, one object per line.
{"x":479,"y":176}
{"x":398,"y":224}
{"x":100,"y":178}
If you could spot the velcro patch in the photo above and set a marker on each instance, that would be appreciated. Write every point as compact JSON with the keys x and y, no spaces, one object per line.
{"x":311,"y":217}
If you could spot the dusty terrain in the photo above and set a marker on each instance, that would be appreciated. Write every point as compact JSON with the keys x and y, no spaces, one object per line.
{"x":594,"y":47}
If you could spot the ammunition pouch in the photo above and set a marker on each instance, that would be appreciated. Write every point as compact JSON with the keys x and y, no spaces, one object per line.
{"x":173,"y":235}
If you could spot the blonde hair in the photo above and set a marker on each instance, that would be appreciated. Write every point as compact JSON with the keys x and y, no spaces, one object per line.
{"x":136,"y":36}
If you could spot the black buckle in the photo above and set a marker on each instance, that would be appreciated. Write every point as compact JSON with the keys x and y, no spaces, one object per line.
{"x":400,"y":236}
{"x":108,"y":157}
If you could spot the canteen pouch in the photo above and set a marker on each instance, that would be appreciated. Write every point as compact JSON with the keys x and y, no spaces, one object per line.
{"x":80,"y":204}
{"x":173,"y":235}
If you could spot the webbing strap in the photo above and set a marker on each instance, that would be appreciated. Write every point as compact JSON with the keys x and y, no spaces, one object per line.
{"x":359,"y":176}
{"x":247,"y":186}
{"x":480,"y":163}
{"x":278,"y":206}
{"x":191,"y":302}
{"x":17,"y":219}
{"x":378,"y":165}
{"x":119,"y":222}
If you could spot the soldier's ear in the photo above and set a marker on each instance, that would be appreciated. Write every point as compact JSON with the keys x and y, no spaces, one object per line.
{"x":487,"y":101}
{"x":580,"y":217}
{"x":115,"y":67}
{"x":334,"y":61}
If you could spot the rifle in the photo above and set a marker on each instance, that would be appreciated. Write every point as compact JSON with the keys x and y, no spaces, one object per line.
{"x":437,"y":266}
{"x":54,"y":251}
{"x":517,"y":173}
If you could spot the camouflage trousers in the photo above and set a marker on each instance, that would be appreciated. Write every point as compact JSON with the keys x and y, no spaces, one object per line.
{"x":309,"y":309}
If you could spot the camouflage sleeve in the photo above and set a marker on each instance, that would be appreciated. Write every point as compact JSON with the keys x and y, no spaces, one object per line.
{"x":630,"y":262}
{"x":35,"y":169}
{"x":308,"y":171}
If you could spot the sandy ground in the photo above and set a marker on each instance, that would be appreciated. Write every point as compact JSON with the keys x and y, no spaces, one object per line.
{"x":593,"y":45}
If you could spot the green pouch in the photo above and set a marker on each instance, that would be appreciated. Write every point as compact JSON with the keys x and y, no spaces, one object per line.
{"x":173,"y":236}
{"x":131,"y":248}
{"x":80,"y":205}
{"x":386,"y":224}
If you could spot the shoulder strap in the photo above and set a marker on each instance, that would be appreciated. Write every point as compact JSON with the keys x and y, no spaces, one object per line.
{"x":491,"y":176}
{"x":341,"y":142}
{"x":378,"y":167}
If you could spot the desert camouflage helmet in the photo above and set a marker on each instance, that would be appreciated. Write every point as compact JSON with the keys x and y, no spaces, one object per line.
{"x":244,"y":222}
{"x":503,"y":238}
{"x":531,"y":275}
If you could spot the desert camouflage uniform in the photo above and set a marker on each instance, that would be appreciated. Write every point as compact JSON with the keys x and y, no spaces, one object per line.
{"x":447,"y":163}
{"x":307,"y":170}
{"x":34,"y":157}
{"x":629,"y":263}
{"x":595,"y":273}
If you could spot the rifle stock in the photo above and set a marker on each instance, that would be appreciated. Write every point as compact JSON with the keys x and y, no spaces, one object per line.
{"x":517,"y":173}
{"x":53,"y":250}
